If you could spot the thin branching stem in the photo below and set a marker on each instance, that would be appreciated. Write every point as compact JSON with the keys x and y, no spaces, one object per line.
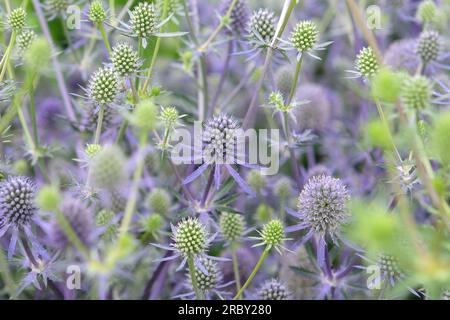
{"x":253,"y":274}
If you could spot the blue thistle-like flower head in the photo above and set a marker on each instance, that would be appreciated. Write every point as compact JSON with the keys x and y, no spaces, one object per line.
{"x":401,"y":56}
{"x":239,"y":15}
{"x":322,"y":204}
{"x":273,"y":290}
{"x":390,"y":268}
{"x":262,"y":26}
{"x":211,"y":279}
{"x":219,"y":140}
{"x":17,"y":207}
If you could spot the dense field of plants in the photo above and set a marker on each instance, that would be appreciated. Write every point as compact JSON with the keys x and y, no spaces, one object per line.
{"x":232,"y":149}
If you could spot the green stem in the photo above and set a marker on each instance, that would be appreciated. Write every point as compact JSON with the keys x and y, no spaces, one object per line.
{"x":121,"y":133}
{"x":5,"y":61}
{"x":202,"y":88}
{"x":33,"y":117}
{"x":282,"y":210}
{"x":8,"y":6}
{"x":202,"y":93}
{"x":190,"y":261}
{"x":98,"y":130}
{"x":136,"y":81}
{"x":7,"y":277}
{"x":123,"y":12}
{"x":156,"y":49}
{"x":70,"y":233}
{"x":252,"y":275}
{"x":101,"y":27}
{"x":250,"y":116}
{"x":26,"y":132}
{"x":166,"y":138}
{"x":67,"y":36}
{"x":237,"y":276}
{"x":112,"y":9}
{"x":387,"y":127}
{"x":213,"y":35}
{"x":87,"y":52}
{"x":131,"y":203}
{"x":189,"y":22}
{"x":152,"y":64}
{"x":296,"y":77}
{"x":134,"y":91}
{"x":30,"y":143}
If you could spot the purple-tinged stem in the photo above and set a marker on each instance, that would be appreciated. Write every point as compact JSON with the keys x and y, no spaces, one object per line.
{"x":59,"y":77}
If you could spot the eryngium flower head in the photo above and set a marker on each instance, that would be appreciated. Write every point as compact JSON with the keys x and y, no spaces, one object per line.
{"x":284,"y":78}
{"x":366,"y":62}
{"x":190,"y":237}
{"x":400,"y":55}
{"x":173,"y":7}
{"x":273,"y":290}
{"x":169,"y":117}
{"x":125,"y":59}
{"x":416,"y":93}
{"x":232,"y":226}
{"x":107,"y":168}
{"x":389,"y":267}
{"x":97,"y":13}
{"x":118,"y":201}
{"x":105,"y":219}
{"x":219,"y":140}
{"x":262,"y":25}
{"x":159,"y":201}
{"x":428,"y":46}
{"x":16,"y":19}
{"x":282,"y":188}
{"x":143,"y":19}
{"x":17,"y":205}
{"x":24,"y":39}
{"x":273,"y":233}
{"x":104,"y":85}
{"x":256,"y":180}
{"x":209,"y":281}
{"x":90,"y":118}
{"x":316,"y":112}
{"x":322,"y":203}
{"x":304,"y":37}
{"x":239,"y":15}
{"x":80,"y":218}
{"x":426,"y":11}
{"x":56,"y":6}
{"x":92,"y":149}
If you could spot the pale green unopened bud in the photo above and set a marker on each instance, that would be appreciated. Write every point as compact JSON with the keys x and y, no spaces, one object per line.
{"x":48,"y":198}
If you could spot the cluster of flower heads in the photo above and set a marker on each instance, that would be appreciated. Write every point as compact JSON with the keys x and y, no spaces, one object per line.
{"x":93,"y":126}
